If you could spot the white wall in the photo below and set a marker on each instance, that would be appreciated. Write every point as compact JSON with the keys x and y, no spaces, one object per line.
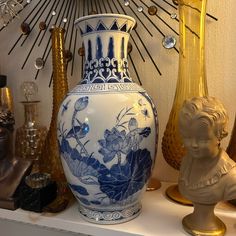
{"x":221,"y":70}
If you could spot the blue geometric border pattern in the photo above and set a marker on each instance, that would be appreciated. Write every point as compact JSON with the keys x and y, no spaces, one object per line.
{"x":106,"y":70}
{"x":106,"y":217}
{"x":125,"y":27}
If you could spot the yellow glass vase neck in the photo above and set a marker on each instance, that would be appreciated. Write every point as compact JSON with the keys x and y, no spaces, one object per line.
{"x":192,"y":73}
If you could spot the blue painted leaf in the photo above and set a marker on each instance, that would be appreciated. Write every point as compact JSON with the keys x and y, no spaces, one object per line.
{"x":78,"y":165}
{"x":84,"y":201}
{"x":96,"y":202}
{"x":122,"y":181}
{"x":81,"y":190}
{"x":145,"y":132}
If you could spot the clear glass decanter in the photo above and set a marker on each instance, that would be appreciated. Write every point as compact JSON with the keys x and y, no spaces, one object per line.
{"x":30,"y":137}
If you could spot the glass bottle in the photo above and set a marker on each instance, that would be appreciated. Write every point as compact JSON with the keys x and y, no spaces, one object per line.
{"x":51,"y":158}
{"x":30,"y":137}
{"x":191,"y":77}
{"x":231,"y":149}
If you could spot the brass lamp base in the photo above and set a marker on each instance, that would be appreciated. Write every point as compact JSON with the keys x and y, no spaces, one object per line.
{"x":219,"y":229}
{"x":173,"y":193}
{"x":153,"y":184}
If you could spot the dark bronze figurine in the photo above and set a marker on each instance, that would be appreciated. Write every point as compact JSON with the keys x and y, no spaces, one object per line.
{"x":12,"y":172}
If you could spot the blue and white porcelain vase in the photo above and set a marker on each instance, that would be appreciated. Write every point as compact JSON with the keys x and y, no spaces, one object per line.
{"x":107,"y":126}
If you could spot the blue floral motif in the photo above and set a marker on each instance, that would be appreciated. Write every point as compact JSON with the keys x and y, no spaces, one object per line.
{"x":113,"y":144}
{"x":123,"y":178}
{"x":116,"y":143}
{"x":78,"y":131}
{"x":123,"y":181}
{"x":81,"y":104}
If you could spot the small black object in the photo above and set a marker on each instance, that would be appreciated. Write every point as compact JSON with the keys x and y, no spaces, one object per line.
{"x":35,"y":199}
{"x":3,"y":81}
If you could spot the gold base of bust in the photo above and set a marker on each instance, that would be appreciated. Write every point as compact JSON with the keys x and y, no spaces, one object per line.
{"x":173,"y":193}
{"x":219,"y":230}
{"x":153,"y":184}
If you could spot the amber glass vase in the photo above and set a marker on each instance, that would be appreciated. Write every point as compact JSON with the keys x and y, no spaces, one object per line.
{"x":231,"y":150}
{"x":192,"y":75}
{"x":51,"y":162}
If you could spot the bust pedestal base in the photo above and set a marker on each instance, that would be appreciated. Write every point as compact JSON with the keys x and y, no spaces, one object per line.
{"x":203,"y":221}
{"x":189,"y":228}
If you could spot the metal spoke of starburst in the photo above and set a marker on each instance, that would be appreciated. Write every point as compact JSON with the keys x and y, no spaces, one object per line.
{"x":38,"y":14}
{"x":66,"y":27}
{"x":48,"y":48}
{"x":53,"y":7}
{"x":96,"y":6}
{"x":99,"y":5}
{"x":21,"y":35}
{"x":140,"y":21}
{"x":164,"y":22}
{"x":155,"y":26}
{"x":187,"y":27}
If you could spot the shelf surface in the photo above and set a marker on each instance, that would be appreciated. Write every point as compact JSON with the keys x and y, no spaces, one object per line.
{"x":159,"y":217}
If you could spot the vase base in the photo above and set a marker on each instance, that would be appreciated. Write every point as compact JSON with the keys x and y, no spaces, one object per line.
{"x":107,"y":217}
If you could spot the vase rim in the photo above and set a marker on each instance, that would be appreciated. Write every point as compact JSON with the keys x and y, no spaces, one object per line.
{"x":105,"y":15}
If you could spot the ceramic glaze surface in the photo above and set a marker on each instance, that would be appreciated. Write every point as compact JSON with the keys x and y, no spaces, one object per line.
{"x":107,"y":134}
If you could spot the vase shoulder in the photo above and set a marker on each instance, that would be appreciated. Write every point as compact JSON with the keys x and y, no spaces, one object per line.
{"x":106,"y":88}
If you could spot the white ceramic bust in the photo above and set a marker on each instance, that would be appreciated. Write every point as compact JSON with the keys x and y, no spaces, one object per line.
{"x":207,"y":174}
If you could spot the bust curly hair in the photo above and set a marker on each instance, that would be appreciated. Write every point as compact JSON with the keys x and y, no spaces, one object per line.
{"x":207,"y":109}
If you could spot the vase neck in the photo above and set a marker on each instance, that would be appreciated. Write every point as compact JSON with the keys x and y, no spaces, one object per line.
{"x":192,"y":74}
{"x":31,"y":114}
{"x":105,"y":40}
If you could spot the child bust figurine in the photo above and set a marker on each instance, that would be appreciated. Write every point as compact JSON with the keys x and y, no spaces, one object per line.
{"x":207,"y":174}
{"x":12,"y":171}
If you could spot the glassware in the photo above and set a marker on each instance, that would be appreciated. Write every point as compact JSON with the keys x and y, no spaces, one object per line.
{"x":191,"y":77}
{"x":31,"y":135}
{"x":51,"y":162}
{"x":231,"y":150}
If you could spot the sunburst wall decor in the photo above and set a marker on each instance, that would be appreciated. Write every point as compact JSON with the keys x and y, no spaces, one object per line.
{"x":151,"y":16}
